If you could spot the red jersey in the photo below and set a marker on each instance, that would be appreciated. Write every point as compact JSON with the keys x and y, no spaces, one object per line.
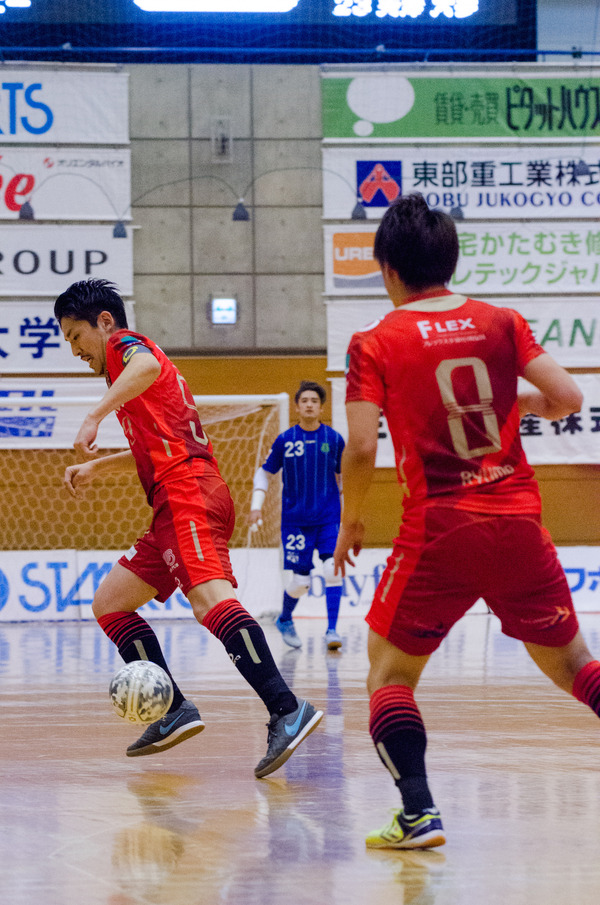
{"x":444,"y":371}
{"x":162,"y":424}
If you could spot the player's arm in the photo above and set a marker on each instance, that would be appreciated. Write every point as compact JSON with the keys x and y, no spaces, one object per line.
{"x":78,"y":477}
{"x":139,"y":373}
{"x":556,"y":394}
{"x":259,"y":492}
{"x":358,"y":464}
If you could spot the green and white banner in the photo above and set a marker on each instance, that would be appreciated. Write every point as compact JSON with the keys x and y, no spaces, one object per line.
{"x":500,"y":258}
{"x":405,"y":104}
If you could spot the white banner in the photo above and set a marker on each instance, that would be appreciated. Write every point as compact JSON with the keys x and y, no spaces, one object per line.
{"x":495,"y":259}
{"x":38,"y":259}
{"x":38,"y":424}
{"x":59,"y":585}
{"x":53,"y":585}
{"x":488,"y":182}
{"x":63,"y":106}
{"x":31,"y":340}
{"x":66,"y":183}
{"x":574,"y":440}
{"x":567,"y":328}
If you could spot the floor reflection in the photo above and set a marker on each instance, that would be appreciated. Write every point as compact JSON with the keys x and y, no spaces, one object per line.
{"x":509,"y":755}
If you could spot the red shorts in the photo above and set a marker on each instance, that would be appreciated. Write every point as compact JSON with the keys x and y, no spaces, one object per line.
{"x":445,"y":559}
{"x":186,"y":544}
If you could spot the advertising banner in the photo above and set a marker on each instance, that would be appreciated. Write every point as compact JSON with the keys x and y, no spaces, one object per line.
{"x":495,"y":259}
{"x":59,"y":585}
{"x":39,"y":259}
{"x":37,"y":423}
{"x":63,"y":106}
{"x":54,"y":585}
{"x":574,"y":440}
{"x":31,"y":340}
{"x":569,"y":329}
{"x":403,"y":104}
{"x":493,"y":182}
{"x":65,"y":183}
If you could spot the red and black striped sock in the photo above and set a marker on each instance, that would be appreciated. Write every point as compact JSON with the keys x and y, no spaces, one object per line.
{"x":399,"y":736}
{"x":245,"y":642}
{"x":135,"y":640}
{"x":586,"y":687}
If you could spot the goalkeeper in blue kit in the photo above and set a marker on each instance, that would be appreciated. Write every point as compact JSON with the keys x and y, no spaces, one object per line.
{"x":309,"y":454}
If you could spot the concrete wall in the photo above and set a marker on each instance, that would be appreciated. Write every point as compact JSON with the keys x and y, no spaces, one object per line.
{"x":187,"y":246}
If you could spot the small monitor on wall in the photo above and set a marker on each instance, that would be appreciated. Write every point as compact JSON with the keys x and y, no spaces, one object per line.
{"x":223,"y":311}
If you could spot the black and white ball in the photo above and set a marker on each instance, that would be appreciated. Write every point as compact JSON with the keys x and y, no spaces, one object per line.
{"x":141,"y":692}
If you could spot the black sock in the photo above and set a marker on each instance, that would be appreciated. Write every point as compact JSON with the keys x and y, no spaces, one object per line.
{"x":399,"y":736}
{"x":245,"y":642}
{"x":135,"y":640}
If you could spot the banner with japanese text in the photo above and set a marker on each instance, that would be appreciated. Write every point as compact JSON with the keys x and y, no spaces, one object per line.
{"x":66,"y":105}
{"x":569,"y":328}
{"x":499,"y":258}
{"x":467,"y":103}
{"x":31,"y":340}
{"x":574,"y":440}
{"x":44,"y":259}
{"x":491,"y":182}
{"x":65,"y":183}
{"x":30,"y":420}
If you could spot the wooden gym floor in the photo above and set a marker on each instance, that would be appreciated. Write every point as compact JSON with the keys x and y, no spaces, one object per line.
{"x":514,"y":766}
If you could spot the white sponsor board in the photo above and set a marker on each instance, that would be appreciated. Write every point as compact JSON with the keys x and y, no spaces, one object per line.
{"x":31,"y":340}
{"x":524,"y":258}
{"x":569,"y":328}
{"x":66,"y":183}
{"x":488,"y":182}
{"x":37,"y":423}
{"x":51,"y":585}
{"x":574,"y":440}
{"x":39,"y":259}
{"x":59,"y":585}
{"x":63,"y":105}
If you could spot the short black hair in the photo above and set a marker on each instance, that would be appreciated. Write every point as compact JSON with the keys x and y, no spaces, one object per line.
{"x":420,"y":244}
{"x":85,"y":300}
{"x":314,"y":387}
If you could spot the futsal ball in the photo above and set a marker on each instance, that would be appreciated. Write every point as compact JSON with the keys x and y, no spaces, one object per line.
{"x":141,"y":692}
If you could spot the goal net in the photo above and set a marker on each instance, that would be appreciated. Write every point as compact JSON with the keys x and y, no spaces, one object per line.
{"x":39,"y":514}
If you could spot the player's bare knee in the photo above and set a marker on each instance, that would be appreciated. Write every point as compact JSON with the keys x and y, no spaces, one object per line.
{"x":200,"y":609}
{"x":383,"y":674}
{"x":298,"y":585}
{"x":101,"y":604}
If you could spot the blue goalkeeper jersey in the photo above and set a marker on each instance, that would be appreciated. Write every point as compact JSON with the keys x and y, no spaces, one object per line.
{"x":310,"y":461}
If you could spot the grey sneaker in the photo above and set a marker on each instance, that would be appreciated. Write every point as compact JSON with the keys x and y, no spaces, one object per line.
{"x":332,"y":639}
{"x":171,"y":729}
{"x":285,"y":734}
{"x":289,"y":633}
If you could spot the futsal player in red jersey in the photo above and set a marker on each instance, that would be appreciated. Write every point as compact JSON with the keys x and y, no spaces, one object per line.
{"x":193,"y":518}
{"x":444,"y":369}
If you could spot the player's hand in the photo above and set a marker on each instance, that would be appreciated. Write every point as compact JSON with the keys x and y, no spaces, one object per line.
{"x":255,"y":519}
{"x":77,"y":477}
{"x":84,"y":441}
{"x":350,"y":537}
